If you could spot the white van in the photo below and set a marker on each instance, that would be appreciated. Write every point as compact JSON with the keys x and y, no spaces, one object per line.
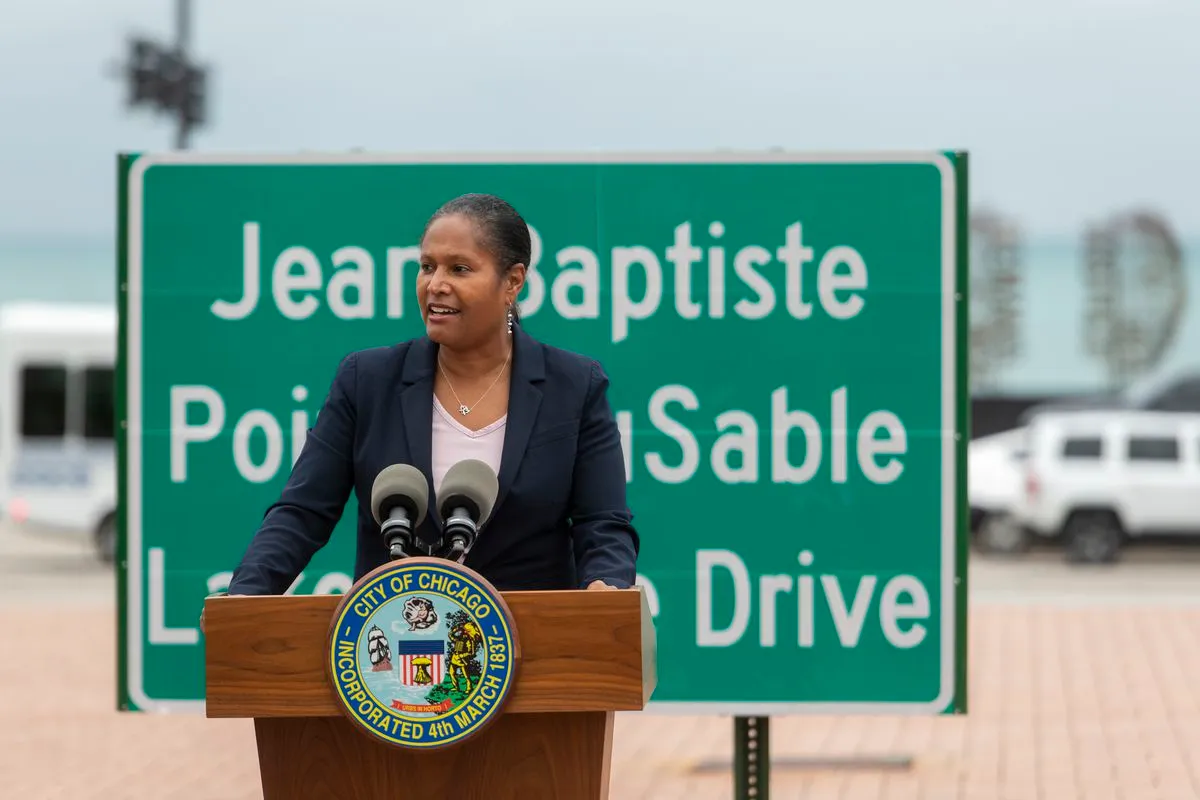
{"x":1097,"y":478}
{"x":57,"y":450}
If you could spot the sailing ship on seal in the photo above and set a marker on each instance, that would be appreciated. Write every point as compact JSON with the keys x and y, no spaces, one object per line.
{"x":379,"y":650}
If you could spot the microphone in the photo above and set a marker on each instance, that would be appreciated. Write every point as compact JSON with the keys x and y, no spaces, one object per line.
{"x":399,"y":501}
{"x":465,"y":501}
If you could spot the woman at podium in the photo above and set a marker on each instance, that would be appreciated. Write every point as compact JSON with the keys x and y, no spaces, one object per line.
{"x":475,"y":386}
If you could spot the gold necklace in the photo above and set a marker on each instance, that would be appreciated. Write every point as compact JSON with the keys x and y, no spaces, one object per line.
{"x":463,"y":408}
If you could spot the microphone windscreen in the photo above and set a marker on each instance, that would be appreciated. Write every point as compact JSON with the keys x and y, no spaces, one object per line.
{"x":469,"y":482}
{"x":400,"y":485}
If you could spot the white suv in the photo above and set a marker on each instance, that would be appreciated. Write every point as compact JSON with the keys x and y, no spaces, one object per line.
{"x":1095,"y":478}
{"x":994,"y":485}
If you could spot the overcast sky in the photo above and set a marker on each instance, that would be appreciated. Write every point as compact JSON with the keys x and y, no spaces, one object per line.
{"x":1072,"y":109}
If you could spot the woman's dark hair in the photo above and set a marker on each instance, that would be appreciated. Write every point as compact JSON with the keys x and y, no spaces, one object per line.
{"x":502,"y":230}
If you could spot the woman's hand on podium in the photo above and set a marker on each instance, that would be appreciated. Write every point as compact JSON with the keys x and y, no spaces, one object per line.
{"x":599,"y":584}
{"x":214,"y":594}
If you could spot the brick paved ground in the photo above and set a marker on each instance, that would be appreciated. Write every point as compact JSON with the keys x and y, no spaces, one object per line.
{"x":1068,"y":704}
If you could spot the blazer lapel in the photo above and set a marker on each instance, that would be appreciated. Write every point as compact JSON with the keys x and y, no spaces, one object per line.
{"x":524,"y":400}
{"x":416,"y":405}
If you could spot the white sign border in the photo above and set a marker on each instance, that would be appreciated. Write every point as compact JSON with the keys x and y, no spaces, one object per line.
{"x":135,"y":588}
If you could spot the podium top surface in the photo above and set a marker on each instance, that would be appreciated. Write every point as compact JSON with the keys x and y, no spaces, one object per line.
{"x":580,"y":651}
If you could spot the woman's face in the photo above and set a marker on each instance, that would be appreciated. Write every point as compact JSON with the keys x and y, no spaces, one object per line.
{"x":464,"y":298}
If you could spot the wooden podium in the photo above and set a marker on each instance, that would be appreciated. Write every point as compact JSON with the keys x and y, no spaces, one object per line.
{"x":584,"y":656}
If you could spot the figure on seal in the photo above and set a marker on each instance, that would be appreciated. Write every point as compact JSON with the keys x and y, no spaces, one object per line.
{"x":465,"y":640}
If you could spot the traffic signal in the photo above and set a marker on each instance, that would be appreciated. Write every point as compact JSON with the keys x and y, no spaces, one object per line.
{"x":195,"y":98}
{"x":144,"y":73}
{"x":166,"y":81}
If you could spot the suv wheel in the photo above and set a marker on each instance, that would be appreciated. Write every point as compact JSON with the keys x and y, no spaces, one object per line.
{"x":1000,"y":533}
{"x":1092,"y":537}
{"x":106,"y":539}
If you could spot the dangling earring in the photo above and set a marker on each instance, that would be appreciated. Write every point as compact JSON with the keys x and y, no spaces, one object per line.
{"x":510,"y":318}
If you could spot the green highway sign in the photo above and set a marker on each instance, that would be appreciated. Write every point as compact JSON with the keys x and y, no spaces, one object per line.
{"x":786,"y":338}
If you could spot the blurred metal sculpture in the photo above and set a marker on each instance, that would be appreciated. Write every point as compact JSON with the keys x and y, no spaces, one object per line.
{"x":1136,"y":293}
{"x":995,"y":300}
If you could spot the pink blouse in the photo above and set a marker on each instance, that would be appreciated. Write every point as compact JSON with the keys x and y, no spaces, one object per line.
{"x":453,"y":442}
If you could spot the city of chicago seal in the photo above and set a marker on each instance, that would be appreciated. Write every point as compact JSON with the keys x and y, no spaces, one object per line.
{"x":423,"y":653}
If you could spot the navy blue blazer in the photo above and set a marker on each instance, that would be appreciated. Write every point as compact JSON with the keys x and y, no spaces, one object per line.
{"x":560,"y":520}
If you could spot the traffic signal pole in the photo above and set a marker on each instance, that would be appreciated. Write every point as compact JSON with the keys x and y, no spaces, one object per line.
{"x":183,"y":20}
